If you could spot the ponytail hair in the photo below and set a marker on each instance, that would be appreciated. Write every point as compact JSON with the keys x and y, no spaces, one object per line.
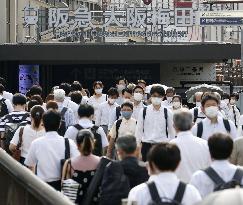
{"x":85,"y":142}
{"x":36,"y":113}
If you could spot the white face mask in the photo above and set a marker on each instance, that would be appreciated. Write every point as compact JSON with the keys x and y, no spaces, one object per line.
{"x":176,"y":104}
{"x":138,"y":96}
{"x":111,"y":101}
{"x":232,"y":101}
{"x":169,"y":99}
{"x":156,"y":100}
{"x":226,"y":101}
{"x":98,"y":91}
{"x":211,"y":111}
{"x":120,"y":87}
{"x":198,"y":104}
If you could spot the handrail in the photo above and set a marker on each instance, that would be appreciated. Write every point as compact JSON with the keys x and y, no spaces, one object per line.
{"x":33,"y":188}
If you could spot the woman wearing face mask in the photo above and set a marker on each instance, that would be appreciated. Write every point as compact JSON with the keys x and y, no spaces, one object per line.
{"x":98,"y":97}
{"x":213,"y":122}
{"x":125,"y":125}
{"x":138,"y":96}
{"x":176,"y":102}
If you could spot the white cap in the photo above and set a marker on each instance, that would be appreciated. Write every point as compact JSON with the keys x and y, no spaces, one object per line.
{"x":59,"y":95}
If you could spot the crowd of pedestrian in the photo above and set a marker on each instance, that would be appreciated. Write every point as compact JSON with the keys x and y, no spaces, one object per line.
{"x":137,"y":142}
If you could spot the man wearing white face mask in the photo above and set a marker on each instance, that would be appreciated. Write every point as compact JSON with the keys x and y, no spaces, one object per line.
{"x":154,"y":124}
{"x":116,"y":114}
{"x":106,"y":108}
{"x":138,"y":94}
{"x":213,"y":123}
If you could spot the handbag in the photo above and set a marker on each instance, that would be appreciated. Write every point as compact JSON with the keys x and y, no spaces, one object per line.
{"x":70,"y":187}
{"x":17,"y":153}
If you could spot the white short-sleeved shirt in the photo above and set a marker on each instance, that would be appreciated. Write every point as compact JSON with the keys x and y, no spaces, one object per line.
{"x":72,"y":132}
{"x":126,"y":127}
{"x":166,"y":184}
{"x":47,"y":152}
{"x":95,"y":102}
{"x":152,"y":129}
{"x":103,"y":113}
{"x":205,"y":185}
{"x":194,"y":155}
{"x":29,"y":135}
{"x":8,"y":95}
{"x":72,"y":105}
{"x":240,"y":130}
{"x":209,"y":129}
{"x":137,"y":109}
{"x":69,"y":116}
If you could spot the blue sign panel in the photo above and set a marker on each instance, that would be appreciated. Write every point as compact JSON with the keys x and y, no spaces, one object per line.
{"x":221,"y":21}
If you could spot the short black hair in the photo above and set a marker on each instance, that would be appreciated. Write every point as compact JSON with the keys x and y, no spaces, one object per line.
{"x":19,"y":99}
{"x":127,"y":104}
{"x":113,"y":91}
{"x":127,"y":144}
{"x":98,"y":83}
{"x":2,"y":88}
{"x":138,"y":86}
{"x":236,"y":95}
{"x":36,"y":90}
{"x":38,"y":98}
{"x":76,"y":86}
{"x":126,"y":90}
{"x":31,"y":104}
{"x":76,"y":97}
{"x":85,"y":110}
{"x":157,"y":89}
{"x":209,"y":96}
{"x":170,"y":89}
{"x":66,"y":87}
{"x":220,"y":146}
{"x":225,"y":96}
{"x":3,"y":81}
{"x":51,"y":120}
{"x":165,"y":156}
{"x":121,"y":78}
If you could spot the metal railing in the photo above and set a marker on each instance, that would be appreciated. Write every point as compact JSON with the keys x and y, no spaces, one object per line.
{"x":18,"y":186}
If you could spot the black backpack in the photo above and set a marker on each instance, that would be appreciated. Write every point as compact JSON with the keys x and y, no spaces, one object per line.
{"x":98,"y":148}
{"x":220,"y":184}
{"x":62,"y":129}
{"x":3,"y":108}
{"x":157,"y":200}
{"x":166,"y":119}
{"x":200,"y":127}
{"x":115,"y":185}
{"x":11,"y":127}
{"x":195,"y":114}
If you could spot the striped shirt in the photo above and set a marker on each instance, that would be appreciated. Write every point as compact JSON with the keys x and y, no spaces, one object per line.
{"x":19,"y":116}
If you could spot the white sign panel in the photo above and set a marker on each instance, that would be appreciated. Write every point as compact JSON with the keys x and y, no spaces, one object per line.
{"x":221,"y":14}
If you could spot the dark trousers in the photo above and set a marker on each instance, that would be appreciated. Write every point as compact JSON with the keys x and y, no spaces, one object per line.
{"x":145,"y":149}
{"x":55,"y":184}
